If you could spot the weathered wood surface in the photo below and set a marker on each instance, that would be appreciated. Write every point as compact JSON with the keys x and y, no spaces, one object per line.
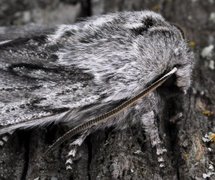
{"x":127,"y":154}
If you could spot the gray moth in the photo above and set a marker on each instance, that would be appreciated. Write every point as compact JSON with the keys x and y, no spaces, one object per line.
{"x":70,"y":74}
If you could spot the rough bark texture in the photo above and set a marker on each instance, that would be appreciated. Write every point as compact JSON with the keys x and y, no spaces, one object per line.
{"x":127,"y":154}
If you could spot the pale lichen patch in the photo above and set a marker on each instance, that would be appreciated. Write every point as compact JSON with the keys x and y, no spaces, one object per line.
{"x":211,"y":64}
{"x":212,"y":17}
{"x":207,"y":51}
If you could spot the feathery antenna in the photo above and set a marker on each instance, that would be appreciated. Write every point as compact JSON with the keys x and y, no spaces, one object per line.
{"x":104,"y":117}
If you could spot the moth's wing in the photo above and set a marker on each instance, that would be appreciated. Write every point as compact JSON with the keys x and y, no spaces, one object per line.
{"x":37,"y":88}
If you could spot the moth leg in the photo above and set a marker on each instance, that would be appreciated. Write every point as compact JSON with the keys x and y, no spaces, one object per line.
{"x":73,"y":148}
{"x":183,"y":78}
{"x":151,"y":129}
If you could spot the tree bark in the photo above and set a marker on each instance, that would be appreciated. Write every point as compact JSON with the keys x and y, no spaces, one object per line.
{"x":128,"y":154}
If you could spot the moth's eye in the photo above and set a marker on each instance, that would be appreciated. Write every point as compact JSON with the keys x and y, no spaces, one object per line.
{"x":181,"y":31}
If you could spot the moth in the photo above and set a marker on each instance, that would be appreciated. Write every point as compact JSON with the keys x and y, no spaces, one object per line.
{"x":77,"y":75}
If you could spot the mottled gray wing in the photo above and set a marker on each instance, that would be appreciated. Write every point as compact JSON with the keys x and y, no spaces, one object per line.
{"x":36,"y":90}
